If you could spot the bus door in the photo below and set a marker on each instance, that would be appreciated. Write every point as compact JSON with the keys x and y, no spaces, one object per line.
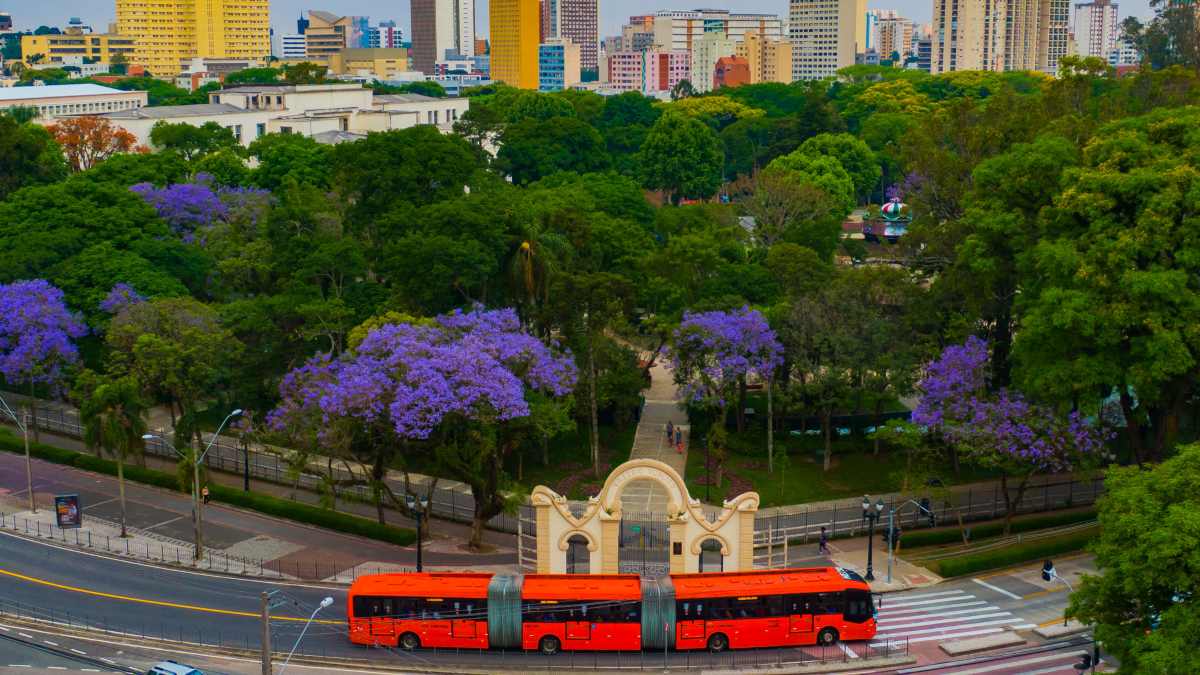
{"x":463,"y":625}
{"x":578,"y":625}
{"x":383,"y":623}
{"x":689,"y":616}
{"x":800,"y":618}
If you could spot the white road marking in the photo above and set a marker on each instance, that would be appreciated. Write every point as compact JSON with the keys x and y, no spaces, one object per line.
{"x":19,"y":665}
{"x":958,"y":612}
{"x":1024,"y":662}
{"x":25,"y":635}
{"x":107,"y":660}
{"x":55,"y":668}
{"x":993,"y":622}
{"x":999,"y":590}
{"x":923,"y":603}
{"x":847,"y":651}
{"x":922,"y":596}
{"x":78,"y":652}
{"x":926,"y":609}
{"x":4,"y":628}
{"x":931,"y":622}
{"x":90,"y":670}
{"x":52,"y":644}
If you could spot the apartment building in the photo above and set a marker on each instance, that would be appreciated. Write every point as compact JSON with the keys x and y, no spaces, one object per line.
{"x":999,"y":35}
{"x":825,"y":36}
{"x":651,"y":72}
{"x":706,"y":51}
{"x":574,"y":20}
{"x":167,"y":33}
{"x":677,"y":30}
{"x":58,"y":49}
{"x":440,"y":27}
{"x":515,"y":36}
{"x":768,"y":59}
{"x":1096,"y":28}
{"x":559,"y":65}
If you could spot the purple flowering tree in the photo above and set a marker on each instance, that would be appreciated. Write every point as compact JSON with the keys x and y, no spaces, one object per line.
{"x":36,"y":333}
{"x":194,"y":209}
{"x":1003,"y":431}
{"x":712,"y":355}
{"x":121,"y":296}
{"x":445,"y":385}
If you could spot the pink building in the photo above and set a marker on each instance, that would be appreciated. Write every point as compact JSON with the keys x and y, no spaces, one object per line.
{"x":649,"y":71}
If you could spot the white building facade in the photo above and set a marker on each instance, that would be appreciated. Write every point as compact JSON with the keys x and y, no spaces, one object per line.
{"x":66,"y":100}
{"x":825,"y":36}
{"x":1096,"y":28}
{"x":705,"y":52}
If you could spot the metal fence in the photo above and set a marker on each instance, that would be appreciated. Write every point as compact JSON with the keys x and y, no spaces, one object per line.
{"x":775,"y":531}
{"x":450,"y":500}
{"x":214,"y":560}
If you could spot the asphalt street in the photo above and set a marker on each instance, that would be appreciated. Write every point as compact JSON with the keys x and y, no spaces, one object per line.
{"x":81,"y":588}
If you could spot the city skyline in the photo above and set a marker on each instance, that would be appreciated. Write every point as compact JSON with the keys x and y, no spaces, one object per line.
{"x":613,"y":13}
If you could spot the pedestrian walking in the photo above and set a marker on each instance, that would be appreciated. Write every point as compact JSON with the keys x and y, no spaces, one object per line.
{"x":670,"y":431}
{"x":204,"y":494}
{"x":678,"y":435}
{"x":823,"y":543}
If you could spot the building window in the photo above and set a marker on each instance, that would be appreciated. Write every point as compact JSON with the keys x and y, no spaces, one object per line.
{"x":260,"y":129}
{"x":285,"y":130}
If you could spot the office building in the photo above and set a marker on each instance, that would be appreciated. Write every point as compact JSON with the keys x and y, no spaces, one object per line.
{"x":574,"y":20}
{"x":893,"y":36}
{"x":825,"y":36}
{"x":292,"y":46}
{"x":60,"y":100}
{"x":676,"y":30}
{"x":58,"y":49}
{"x":559,"y":65}
{"x":167,"y":33}
{"x":706,"y":51}
{"x":924,"y":54}
{"x":378,"y":63}
{"x":1014,"y":35}
{"x":651,"y":72}
{"x":515,"y":30}
{"x":731,"y":71}
{"x":440,"y":27}
{"x":768,"y":59}
{"x":1096,"y":28}
{"x":385,"y":36}
{"x":328,"y":34}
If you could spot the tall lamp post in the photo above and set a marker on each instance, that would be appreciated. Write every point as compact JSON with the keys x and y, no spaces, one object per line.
{"x":198,"y":551}
{"x":23,"y":425}
{"x":892,"y":530}
{"x":417,"y":506}
{"x":324,"y":603}
{"x":871,"y":514}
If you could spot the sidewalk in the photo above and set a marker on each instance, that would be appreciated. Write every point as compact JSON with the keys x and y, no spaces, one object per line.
{"x":161,"y":521}
{"x":852,"y":554}
{"x":650,"y":442}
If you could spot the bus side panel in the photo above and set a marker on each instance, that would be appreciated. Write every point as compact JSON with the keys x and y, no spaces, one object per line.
{"x":442,"y":633}
{"x":602,"y":636}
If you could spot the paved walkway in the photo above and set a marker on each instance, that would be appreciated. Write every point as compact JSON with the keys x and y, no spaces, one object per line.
{"x":662,"y":406}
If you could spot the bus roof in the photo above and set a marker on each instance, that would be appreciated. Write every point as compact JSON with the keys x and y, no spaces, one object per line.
{"x":766,"y":582}
{"x":582,"y":587}
{"x":445,"y":584}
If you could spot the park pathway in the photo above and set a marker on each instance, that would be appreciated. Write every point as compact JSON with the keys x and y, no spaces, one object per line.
{"x":661,"y":406}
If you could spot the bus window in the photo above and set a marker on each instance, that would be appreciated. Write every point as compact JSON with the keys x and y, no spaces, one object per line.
{"x":858,"y":606}
{"x":828,"y":603}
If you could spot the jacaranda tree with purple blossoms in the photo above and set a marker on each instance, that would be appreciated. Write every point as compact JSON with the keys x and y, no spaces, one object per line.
{"x":714,"y":352}
{"x":453,"y":385}
{"x":1003,"y":431}
{"x":36,"y":333}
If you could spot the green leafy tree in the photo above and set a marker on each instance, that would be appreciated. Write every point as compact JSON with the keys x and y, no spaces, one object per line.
{"x":682,"y":157}
{"x":253,"y":76}
{"x":854,"y":155}
{"x":286,"y":158}
{"x":1143,"y":601}
{"x":424,"y":88}
{"x":28,"y":156}
{"x":118,"y":64}
{"x":1171,"y":38}
{"x":533,"y":149}
{"x":226,"y":167}
{"x":306,"y":72}
{"x":192,"y":141}
{"x":114,"y":419}
{"x":157,"y":168}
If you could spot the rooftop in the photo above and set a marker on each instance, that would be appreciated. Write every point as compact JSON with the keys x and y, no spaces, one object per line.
{"x":166,"y":111}
{"x":336,"y":136}
{"x":404,"y":98}
{"x":55,"y":90}
{"x":287,"y":88}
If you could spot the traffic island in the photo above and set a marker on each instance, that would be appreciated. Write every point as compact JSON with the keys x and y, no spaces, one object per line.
{"x":981,"y":644}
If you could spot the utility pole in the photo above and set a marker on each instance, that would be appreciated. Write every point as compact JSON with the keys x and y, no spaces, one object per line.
{"x":265,"y":607}
{"x":28,"y":466}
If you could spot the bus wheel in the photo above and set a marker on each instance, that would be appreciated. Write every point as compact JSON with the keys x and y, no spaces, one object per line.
{"x":718,"y":643}
{"x":410,"y":641}
{"x":827,"y":636}
{"x":549,"y":645}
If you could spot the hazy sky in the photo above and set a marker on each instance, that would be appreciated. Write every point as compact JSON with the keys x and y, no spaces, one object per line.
{"x":31,"y":13}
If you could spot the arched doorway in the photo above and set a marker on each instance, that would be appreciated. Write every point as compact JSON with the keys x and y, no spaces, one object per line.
{"x":711,"y":559}
{"x":578,"y":556}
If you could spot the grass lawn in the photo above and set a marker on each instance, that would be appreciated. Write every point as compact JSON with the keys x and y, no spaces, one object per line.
{"x":569,"y":471}
{"x":855,"y":471}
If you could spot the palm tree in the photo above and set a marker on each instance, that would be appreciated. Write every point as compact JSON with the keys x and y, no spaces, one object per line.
{"x":536,"y":258}
{"x":114,"y":419}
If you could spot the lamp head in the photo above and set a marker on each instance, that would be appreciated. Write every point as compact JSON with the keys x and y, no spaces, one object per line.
{"x":148,"y":437}
{"x":236,"y":412}
{"x":326,"y":602}
{"x":879,"y":505}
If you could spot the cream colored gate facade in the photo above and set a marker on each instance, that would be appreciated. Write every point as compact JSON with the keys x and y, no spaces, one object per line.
{"x":599,"y":524}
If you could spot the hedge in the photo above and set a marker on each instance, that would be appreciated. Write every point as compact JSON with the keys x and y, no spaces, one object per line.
{"x":952,"y":535}
{"x":274,"y":506}
{"x":1013,"y":555}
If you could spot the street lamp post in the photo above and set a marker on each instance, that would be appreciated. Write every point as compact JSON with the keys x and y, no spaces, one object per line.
{"x":419,"y":513}
{"x":324,"y":603}
{"x":198,"y":551}
{"x":892,"y":530}
{"x":23,"y":424}
{"x":871,"y":514}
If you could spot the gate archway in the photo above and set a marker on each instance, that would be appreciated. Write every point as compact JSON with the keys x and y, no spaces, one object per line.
{"x":666,"y":539}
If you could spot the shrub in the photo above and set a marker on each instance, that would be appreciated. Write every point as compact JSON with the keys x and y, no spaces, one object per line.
{"x":267,"y":504}
{"x":951,"y":535}
{"x":1013,"y":555}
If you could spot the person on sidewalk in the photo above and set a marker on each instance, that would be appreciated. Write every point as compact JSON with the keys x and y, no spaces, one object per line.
{"x":823,"y":543}
{"x":670,"y":431}
{"x":679,"y":436}
{"x":204,"y":494}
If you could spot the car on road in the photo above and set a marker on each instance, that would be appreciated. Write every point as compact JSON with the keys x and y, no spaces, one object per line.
{"x":173,"y":668}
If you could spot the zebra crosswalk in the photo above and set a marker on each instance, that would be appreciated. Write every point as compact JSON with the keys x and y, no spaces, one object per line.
{"x":942,"y":615}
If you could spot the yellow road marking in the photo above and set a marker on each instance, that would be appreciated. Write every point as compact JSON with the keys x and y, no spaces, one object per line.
{"x":1047,"y":591}
{"x":158,"y":603}
{"x":1051,"y":622}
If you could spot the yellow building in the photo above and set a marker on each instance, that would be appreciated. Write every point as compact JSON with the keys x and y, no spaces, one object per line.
{"x":380,"y":62}
{"x":96,"y":47}
{"x":169,"y":33}
{"x":515,"y":35}
{"x":770,"y":59}
{"x":327,"y":34}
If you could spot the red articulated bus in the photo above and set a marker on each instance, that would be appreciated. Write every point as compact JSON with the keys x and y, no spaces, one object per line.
{"x":550,"y":612}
